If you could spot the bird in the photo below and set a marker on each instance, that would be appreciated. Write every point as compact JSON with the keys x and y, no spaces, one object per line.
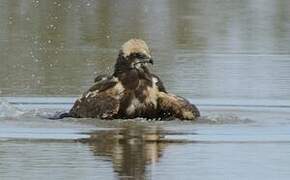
{"x":132,"y":91}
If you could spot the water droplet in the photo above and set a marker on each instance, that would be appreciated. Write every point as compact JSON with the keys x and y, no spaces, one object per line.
{"x":36,"y":3}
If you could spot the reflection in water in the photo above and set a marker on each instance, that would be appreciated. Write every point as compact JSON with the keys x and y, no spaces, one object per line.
{"x":130,"y":149}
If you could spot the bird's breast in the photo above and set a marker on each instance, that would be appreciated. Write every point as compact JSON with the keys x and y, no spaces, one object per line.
{"x":144,"y":99}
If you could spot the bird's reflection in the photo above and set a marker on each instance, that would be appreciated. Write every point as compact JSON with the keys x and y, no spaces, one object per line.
{"x":130,"y":149}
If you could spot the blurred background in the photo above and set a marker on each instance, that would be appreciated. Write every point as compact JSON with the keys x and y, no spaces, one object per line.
{"x":202,"y":49}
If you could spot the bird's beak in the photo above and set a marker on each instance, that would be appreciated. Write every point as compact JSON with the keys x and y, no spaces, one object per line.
{"x":147,"y":60}
{"x":151,"y":61}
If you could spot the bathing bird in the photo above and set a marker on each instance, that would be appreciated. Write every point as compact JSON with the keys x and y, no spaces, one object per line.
{"x":131,"y":91}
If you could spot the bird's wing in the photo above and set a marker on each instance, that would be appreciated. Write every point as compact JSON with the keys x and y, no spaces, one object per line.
{"x":102,"y":100}
{"x":103,"y":85}
{"x":102,"y":77}
{"x":171,"y":105}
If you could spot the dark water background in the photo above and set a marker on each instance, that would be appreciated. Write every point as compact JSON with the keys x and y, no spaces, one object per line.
{"x":231,"y":58}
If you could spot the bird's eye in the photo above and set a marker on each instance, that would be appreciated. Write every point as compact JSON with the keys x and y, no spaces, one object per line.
{"x":140,"y":56}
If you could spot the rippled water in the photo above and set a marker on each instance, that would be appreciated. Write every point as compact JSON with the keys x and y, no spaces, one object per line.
{"x":231,"y":58}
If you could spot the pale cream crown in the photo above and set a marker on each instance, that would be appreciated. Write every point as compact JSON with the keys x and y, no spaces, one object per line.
{"x":135,"y":46}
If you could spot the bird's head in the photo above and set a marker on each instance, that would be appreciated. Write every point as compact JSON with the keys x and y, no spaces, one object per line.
{"x":134,"y":54}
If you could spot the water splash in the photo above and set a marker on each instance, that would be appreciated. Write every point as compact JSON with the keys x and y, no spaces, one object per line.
{"x":223,"y":119}
{"x":7,"y":110}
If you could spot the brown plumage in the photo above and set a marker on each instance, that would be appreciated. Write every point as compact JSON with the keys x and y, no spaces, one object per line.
{"x":132,"y":91}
